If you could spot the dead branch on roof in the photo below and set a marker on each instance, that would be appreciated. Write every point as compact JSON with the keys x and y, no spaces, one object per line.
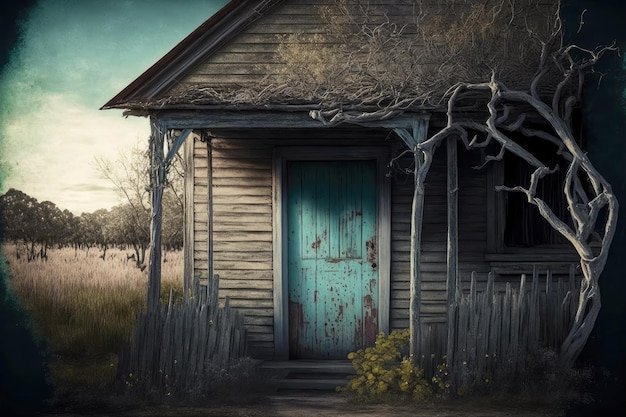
{"x":402,"y":56}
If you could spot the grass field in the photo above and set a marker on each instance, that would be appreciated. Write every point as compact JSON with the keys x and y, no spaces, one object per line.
{"x":85,"y":307}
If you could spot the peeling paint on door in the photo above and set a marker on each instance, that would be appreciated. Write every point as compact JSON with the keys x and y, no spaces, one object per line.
{"x":370,"y":319}
{"x":332,"y":255}
{"x":371,"y":248}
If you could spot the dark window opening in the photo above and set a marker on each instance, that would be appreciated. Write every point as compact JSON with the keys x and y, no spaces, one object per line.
{"x":524,"y":225}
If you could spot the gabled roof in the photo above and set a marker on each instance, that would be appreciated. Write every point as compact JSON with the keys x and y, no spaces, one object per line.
{"x":209,"y":37}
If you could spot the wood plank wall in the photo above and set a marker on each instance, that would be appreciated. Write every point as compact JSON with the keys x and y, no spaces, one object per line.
{"x":472,"y":237}
{"x":242,"y":178}
{"x":251,"y":56}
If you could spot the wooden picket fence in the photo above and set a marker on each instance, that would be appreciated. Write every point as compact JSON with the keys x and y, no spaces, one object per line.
{"x":173,"y":347}
{"x":491,"y":332}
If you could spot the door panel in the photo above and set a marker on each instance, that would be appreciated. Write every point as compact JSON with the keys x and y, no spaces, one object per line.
{"x":332,"y":257}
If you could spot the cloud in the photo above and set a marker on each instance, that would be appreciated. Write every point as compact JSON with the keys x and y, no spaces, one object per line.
{"x":52,"y":151}
{"x":86,"y":187}
{"x":74,"y":55}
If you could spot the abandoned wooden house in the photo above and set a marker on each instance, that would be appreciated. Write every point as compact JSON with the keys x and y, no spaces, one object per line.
{"x":308,"y":224}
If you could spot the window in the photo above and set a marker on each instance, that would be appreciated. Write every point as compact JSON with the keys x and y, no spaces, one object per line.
{"x":515,"y":223}
{"x":524,"y":226}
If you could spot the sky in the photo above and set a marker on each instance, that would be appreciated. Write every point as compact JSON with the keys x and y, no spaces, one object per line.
{"x":70,"y":58}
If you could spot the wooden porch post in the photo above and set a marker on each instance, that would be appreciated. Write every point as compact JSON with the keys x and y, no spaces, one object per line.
{"x":453,"y":241}
{"x":210,"y":249}
{"x":422,"y":159}
{"x":415,"y":286}
{"x":453,"y":218}
{"x":159,"y":164}
{"x":157,"y":182}
{"x":189,"y":219}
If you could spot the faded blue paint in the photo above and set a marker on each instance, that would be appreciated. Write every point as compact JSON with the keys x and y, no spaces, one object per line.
{"x":333,"y":274}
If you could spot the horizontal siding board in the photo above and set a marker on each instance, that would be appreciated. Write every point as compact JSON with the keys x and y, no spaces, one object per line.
{"x":287,"y":28}
{"x":256,"y":311}
{"x":220,"y":190}
{"x":246,"y":274}
{"x":263,"y":181}
{"x":225,"y":80}
{"x":426,"y":286}
{"x":252,"y":303}
{"x":242,"y":173}
{"x":243,"y":57}
{"x":236,"y":247}
{"x":243,"y":236}
{"x":200,"y":237}
{"x":245,"y":293}
{"x":200,"y":209}
{"x":243,"y":256}
{"x":256,"y":328}
{"x":264,"y":337}
{"x":245,"y":218}
{"x":258,"y":320}
{"x":243,"y":265}
{"x":200,"y":160}
{"x":222,"y":208}
{"x":427,"y":295}
{"x":200,"y":226}
{"x":257,"y":284}
{"x":241,"y":163}
{"x":243,"y":199}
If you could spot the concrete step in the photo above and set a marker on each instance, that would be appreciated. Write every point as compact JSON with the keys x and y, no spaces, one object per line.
{"x":310,"y":384}
{"x":308,"y":374}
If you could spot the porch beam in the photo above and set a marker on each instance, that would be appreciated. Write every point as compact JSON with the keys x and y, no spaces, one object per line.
{"x":176,"y":119}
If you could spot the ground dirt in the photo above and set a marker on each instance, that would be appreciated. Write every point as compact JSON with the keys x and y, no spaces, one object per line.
{"x":304,"y":404}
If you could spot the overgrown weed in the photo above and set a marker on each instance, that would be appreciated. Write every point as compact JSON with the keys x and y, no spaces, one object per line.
{"x":86,"y":307}
{"x":384,"y":374}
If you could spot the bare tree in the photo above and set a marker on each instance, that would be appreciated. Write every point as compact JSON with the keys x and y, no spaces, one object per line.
{"x":32,"y":223}
{"x":130,"y":222}
{"x":492,"y":115}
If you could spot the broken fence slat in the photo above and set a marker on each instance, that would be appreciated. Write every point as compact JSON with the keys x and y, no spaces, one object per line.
{"x":493,"y":332}
{"x":173,"y":345}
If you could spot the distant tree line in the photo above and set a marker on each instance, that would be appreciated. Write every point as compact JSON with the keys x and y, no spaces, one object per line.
{"x":34,"y":227}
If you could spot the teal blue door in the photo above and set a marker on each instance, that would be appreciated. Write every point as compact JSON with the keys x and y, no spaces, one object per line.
{"x":332,"y":257}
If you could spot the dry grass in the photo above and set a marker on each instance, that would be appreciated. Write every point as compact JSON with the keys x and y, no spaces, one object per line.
{"x":86,"y":307}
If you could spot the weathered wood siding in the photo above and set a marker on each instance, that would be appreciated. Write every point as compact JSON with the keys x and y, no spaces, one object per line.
{"x":472,"y":237}
{"x":242,"y":213}
{"x":252,"y":55}
{"x":242,"y":238}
